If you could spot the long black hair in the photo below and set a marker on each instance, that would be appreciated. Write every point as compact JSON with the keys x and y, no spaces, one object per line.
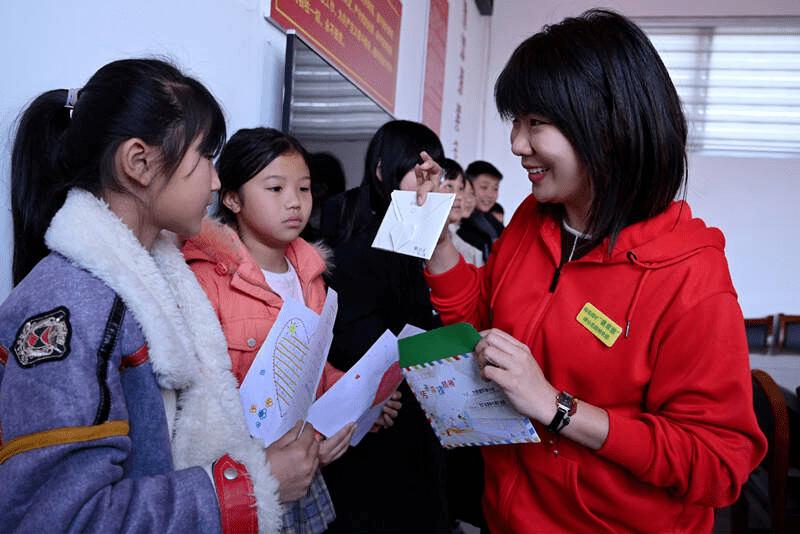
{"x":395,"y":149}
{"x":601,"y":82}
{"x":59,"y":147}
{"x":246,"y":154}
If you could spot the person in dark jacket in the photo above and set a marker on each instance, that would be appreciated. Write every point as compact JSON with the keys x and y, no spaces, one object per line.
{"x":468,"y":230}
{"x":394,"y":480}
{"x":485,"y":178}
{"x":479,"y":227}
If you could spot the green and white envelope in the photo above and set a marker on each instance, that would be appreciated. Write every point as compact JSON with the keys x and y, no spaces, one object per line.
{"x":463,"y":409}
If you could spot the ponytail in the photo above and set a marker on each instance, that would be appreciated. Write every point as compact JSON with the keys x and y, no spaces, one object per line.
{"x":37,"y":190}
{"x":60,"y":145}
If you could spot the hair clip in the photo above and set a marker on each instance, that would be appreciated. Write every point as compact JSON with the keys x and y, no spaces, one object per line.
{"x":72,"y":98}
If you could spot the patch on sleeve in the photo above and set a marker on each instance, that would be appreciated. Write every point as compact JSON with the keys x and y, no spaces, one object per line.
{"x":43,"y":338}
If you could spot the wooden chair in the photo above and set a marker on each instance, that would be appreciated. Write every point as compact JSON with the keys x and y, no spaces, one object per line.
{"x":788,"y":334}
{"x":763,"y":502}
{"x":759,"y":333}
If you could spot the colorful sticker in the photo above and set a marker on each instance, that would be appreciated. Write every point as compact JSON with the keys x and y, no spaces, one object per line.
{"x":599,"y":324}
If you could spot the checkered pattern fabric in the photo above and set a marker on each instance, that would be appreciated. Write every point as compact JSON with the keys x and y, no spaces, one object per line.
{"x":312,"y":513}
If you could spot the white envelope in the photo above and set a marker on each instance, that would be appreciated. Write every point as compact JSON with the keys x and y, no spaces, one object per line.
{"x":411,"y":229}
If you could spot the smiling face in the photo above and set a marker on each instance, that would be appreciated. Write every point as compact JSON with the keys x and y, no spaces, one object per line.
{"x":181,"y":200}
{"x":273,"y":207}
{"x":554,"y":169}
{"x":486,"y":191}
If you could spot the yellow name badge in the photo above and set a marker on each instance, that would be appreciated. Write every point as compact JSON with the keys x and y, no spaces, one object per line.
{"x":598,"y":324}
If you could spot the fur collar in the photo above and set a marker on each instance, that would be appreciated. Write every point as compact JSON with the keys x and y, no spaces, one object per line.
{"x":220,"y":244}
{"x":92,"y":237}
{"x":186,"y":345}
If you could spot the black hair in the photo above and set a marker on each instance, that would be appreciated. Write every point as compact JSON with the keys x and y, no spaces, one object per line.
{"x":497,"y":208}
{"x":327,"y":176}
{"x":395,"y":147}
{"x":57,"y":148}
{"x":478,"y":167}
{"x":246,"y":154}
{"x":452,"y":169}
{"x":601,"y":82}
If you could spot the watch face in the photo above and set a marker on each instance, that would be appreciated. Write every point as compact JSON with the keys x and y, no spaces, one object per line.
{"x":565,"y":400}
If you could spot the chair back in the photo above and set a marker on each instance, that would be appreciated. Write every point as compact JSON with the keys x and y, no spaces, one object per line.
{"x":788,"y":334}
{"x":759,"y":333}
{"x":774,"y":422}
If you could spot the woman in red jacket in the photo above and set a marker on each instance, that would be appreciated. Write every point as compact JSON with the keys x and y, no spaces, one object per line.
{"x":603,"y":288}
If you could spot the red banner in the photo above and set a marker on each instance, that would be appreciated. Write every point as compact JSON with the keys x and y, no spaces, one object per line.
{"x":435,"y":59}
{"x":360,"y":37}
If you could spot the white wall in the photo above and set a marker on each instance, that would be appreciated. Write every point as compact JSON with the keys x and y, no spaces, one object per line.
{"x":227,"y":44}
{"x":465,"y":100}
{"x":753,"y":200}
{"x":755,"y":204}
{"x":49,"y":45}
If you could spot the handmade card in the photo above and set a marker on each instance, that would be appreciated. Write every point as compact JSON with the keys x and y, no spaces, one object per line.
{"x":462,"y":408}
{"x":359,"y":395}
{"x":411,"y":229}
{"x":282,"y":382}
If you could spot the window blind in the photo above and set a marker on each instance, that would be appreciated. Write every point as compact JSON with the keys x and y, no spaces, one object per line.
{"x":320,"y":103}
{"x":738,"y":80}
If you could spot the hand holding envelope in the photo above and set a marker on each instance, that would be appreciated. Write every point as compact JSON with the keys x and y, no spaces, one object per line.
{"x":411,"y":229}
{"x":429,"y":176}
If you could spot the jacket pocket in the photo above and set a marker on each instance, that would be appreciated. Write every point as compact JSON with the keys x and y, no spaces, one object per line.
{"x":545,"y":495}
{"x":245,"y":339}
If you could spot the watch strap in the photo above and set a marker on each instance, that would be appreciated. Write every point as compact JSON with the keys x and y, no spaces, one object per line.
{"x":566,"y":406}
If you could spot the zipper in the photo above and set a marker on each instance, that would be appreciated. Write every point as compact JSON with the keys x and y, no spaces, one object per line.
{"x":104,"y":354}
{"x":556,"y":276}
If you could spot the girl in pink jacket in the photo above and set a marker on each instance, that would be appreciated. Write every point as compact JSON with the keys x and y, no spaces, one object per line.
{"x":248,"y":264}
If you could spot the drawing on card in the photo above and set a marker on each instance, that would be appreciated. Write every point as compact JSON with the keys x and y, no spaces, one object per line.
{"x":282,"y":381}
{"x":289,"y":361}
{"x":263,"y":413}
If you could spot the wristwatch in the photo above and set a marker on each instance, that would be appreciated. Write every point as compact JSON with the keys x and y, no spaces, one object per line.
{"x":566,"y":406}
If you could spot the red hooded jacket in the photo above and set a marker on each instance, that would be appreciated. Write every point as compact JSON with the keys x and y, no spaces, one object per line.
{"x":676,"y":384}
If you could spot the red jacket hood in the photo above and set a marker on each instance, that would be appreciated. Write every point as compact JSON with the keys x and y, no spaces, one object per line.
{"x":657,"y":242}
{"x":666,"y":238}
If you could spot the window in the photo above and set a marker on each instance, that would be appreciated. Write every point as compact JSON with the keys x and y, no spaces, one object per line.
{"x":738,"y":80}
